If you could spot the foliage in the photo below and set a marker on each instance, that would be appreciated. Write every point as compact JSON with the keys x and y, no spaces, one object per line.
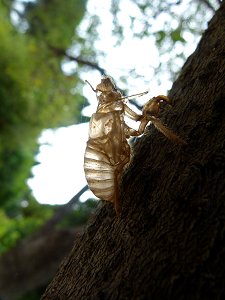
{"x":43,"y":15}
{"x":33,"y":215}
{"x":34,"y":92}
{"x":168,"y":26}
{"x":30,"y":219}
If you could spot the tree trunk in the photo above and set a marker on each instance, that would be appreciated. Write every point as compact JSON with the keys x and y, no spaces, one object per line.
{"x":169,"y":242}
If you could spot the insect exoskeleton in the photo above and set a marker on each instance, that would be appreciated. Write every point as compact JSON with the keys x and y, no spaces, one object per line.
{"x":108,"y":152}
{"x":151,"y":111}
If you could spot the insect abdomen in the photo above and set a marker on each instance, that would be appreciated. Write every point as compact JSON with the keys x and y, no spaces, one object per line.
{"x":100,"y":174}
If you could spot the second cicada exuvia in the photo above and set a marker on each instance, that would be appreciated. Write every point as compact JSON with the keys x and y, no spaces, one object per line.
{"x":108,"y":152}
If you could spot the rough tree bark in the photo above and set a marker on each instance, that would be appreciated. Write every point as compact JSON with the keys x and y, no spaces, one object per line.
{"x":169,"y":242}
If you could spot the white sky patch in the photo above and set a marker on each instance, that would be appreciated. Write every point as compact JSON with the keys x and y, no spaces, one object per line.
{"x":60,"y":175}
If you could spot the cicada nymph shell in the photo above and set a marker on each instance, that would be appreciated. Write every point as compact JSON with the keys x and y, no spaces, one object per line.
{"x":108,"y":152}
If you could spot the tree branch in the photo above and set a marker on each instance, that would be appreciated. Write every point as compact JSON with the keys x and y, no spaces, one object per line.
{"x":61,"y":52}
{"x":61,"y":212}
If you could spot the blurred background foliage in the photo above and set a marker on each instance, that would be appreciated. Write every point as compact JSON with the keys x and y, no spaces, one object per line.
{"x":38,"y":41}
{"x":171,"y":24}
{"x":34,"y":94}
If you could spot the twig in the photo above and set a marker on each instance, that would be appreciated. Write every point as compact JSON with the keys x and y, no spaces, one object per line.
{"x":62,"y":211}
{"x":59,"y":51}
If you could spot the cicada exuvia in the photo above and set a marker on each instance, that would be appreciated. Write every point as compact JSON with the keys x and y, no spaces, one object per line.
{"x":108,"y":152}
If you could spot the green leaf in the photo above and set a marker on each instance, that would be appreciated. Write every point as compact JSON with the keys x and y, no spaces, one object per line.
{"x":176,"y":36}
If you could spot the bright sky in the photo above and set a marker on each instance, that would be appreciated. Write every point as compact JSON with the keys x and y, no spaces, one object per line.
{"x":59,"y":176}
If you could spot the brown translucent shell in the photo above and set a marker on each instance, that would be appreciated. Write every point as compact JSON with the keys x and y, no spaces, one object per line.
{"x":108,"y":152}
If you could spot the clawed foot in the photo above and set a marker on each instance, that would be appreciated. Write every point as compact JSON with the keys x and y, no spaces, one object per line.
{"x":153,"y":106}
{"x":151,"y":111}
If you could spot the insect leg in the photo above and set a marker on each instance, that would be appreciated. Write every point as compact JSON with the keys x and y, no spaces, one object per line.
{"x":131,"y":114}
{"x":135,"y":95}
{"x":151,"y":111}
{"x":167,"y":132}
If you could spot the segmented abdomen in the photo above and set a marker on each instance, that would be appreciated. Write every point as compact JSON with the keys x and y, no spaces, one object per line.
{"x":100,"y":173}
